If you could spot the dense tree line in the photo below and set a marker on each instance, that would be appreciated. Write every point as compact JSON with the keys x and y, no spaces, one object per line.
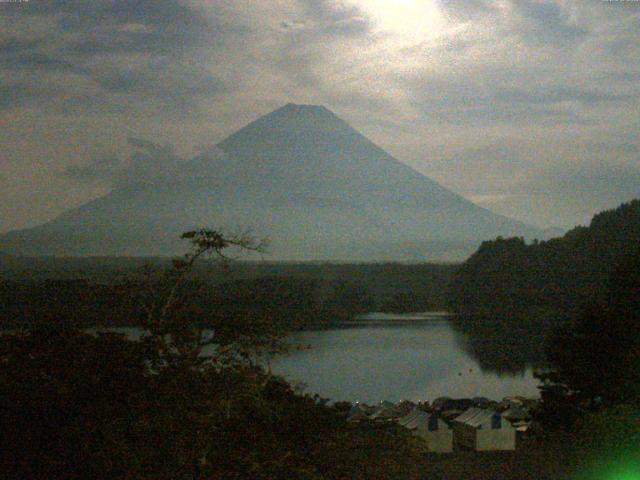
{"x":78,"y":406}
{"x":517,"y":294}
{"x":298,"y":301}
{"x":589,"y":280}
{"x":102,"y":292}
{"x":559,"y":276}
{"x":591,"y":384}
{"x":594,"y":360}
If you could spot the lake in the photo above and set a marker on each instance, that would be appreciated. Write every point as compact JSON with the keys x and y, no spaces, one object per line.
{"x":395,"y":357}
{"x":418,"y":356}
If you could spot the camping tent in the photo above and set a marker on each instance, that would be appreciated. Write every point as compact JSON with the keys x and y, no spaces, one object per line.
{"x":430,"y":427}
{"x":385,"y":411}
{"x":357,"y":413}
{"x":480,"y":429}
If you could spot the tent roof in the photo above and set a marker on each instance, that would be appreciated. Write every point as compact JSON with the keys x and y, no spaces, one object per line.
{"x":419,"y":420}
{"x":357,"y":413}
{"x":476,"y":417}
{"x":412,"y":419}
{"x":384,"y":412}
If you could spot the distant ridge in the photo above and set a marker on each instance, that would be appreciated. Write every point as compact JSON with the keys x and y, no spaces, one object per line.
{"x":300,"y":175}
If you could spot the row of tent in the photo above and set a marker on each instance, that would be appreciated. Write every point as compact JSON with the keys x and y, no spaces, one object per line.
{"x":476,"y":428}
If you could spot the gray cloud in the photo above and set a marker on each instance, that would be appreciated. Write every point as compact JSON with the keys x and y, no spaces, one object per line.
{"x":471,"y":101}
{"x":37,"y":60}
{"x":556,"y":94}
{"x":490,"y":105}
{"x":13,"y":45}
{"x":467,"y":10}
{"x":175,"y":87}
{"x":57,"y":99}
{"x":95,"y":41}
{"x":146,"y":163}
{"x":569,"y":195}
{"x":13,"y":95}
{"x":121,"y":26}
{"x":162,"y":78}
{"x":547,"y":23}
{"x":553,"y":185}
{"x":489,"y":172}
{"x":336,"y":19}
{"x":310,"y":40}
{"x":594,"y":165}
{"x":589,"y":180}
{"x":18,"y":53}
{"x":540,"y":64}
{"x":79,"y":14}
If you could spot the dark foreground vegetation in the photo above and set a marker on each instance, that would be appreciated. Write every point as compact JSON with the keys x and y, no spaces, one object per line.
{"x":578,"y":299}
{"x":521,"y":293}
{"x":177,"y":403}
{"x":77,"y":406}
{"x":185,"y":401}
{"x":559,"y":277}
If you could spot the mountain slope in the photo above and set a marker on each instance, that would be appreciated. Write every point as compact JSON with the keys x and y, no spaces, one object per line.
{"x":299,"y":175}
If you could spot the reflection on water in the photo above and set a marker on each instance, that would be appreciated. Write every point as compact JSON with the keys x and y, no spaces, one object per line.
{"x":502,"y":345}
{"x":393,"y":357}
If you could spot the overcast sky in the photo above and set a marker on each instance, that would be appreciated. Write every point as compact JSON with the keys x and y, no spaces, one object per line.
{"x":529,"y":108}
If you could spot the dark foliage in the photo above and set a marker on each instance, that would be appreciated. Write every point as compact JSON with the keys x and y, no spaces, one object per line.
{"x":176,"y":403}
{"x":80,"y":406}
{"x":501,"y":345}
{"x":595,"y":360}
{"x":508,"y":277}
{"x":99,"y":292}
{"x":576,"y":297}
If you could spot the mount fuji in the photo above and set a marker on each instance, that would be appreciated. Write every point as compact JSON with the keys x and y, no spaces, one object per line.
{"x":301,"y":176}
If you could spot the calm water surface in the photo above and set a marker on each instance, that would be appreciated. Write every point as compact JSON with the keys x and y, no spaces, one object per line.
{"x":394,"y":357}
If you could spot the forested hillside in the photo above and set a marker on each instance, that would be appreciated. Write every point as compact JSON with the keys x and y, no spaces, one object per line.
{"x":102,"y":291}
{"x":559,"y":276}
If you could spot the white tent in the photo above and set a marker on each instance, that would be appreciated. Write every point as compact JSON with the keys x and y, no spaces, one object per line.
{"x":480,"y":429}
{"x":435,"y":431}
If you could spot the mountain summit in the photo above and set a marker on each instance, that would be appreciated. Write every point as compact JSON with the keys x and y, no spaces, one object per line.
{"x":300,"y":175}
